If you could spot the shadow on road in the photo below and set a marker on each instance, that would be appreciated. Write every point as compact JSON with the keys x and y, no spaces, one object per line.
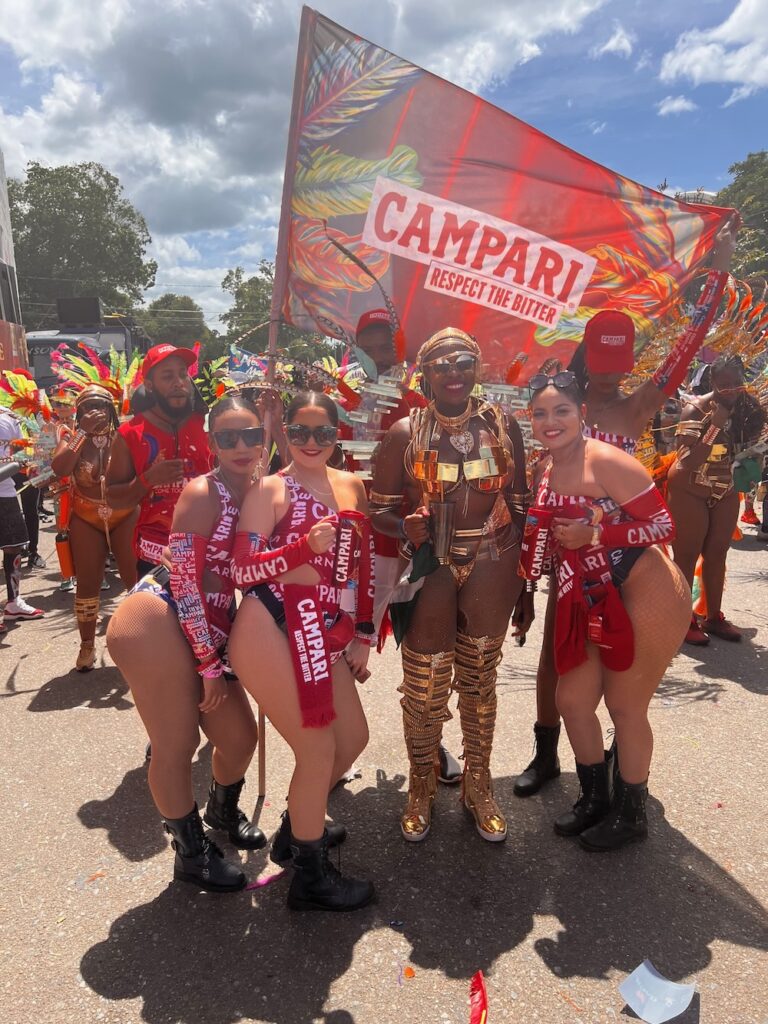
{"x":104,"y":687}
{"x":459,"y":902}
{"x":129,"y":816}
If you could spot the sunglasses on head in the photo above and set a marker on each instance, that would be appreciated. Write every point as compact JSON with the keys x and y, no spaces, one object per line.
{"x":251,"y":437}
{"x":462,"y":364}
{"x":300,"y":433}
{"x":561,"y":380}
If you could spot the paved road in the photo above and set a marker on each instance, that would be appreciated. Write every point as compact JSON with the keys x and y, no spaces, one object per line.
{"x":92,"y":930}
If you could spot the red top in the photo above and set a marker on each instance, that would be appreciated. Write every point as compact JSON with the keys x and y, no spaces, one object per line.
{"x":147,"y":443}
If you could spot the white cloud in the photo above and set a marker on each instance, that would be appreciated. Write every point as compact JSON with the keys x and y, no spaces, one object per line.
{"x":597,"y":127}
{"x":674,"y":105}
{"x":621,"y":44}
{"x":644,"y":61}
{"x":188,"y":102}
{"x":734,"y":52}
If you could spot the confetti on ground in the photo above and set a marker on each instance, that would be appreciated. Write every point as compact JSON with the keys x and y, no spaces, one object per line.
{"x":396,"y":924}
{"x":95,"y":875}
{"x":263,"y":880}
{"x":575,"y":1006}
{"x":409,"y":973}
{"x":717,"y":805}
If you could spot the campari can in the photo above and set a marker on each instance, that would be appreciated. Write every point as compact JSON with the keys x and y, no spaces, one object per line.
{"x":345,"y":569}
{"x":535,"y":542}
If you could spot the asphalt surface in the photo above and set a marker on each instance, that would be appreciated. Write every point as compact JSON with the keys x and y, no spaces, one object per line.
{"x":92,"y":929}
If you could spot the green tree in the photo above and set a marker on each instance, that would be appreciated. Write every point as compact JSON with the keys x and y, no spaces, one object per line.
{"x":748,"y":193}
{"x":251,"y":306}
{"x":179,"y":320}
{"x":75,"y":233}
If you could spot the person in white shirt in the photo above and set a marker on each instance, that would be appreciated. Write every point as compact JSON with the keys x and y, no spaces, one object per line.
{"x":13,"y":531}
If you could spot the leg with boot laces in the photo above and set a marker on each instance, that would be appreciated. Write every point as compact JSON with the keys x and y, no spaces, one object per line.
{"x":321,"y":754}
{"x":477,"y":658}
{"x":147,"y":644}
{"x":546,"y":731}
{"x":656,"y":599}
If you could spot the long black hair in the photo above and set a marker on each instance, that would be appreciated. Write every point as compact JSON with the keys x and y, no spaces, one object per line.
{"x":312,"y":398}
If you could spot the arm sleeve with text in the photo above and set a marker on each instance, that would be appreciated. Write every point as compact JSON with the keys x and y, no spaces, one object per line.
{"x":650,"y":523}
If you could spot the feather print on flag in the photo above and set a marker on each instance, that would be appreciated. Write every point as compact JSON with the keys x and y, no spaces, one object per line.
{"x":332,"y":184}
{"x":317,"y":262}
{"x":348,"y":80}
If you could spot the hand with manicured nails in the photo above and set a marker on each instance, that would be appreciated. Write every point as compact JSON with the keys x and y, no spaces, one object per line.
{"x":570,"y":534}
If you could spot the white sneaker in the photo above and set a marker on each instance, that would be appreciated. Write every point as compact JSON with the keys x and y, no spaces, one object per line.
{"x":19,"y":609}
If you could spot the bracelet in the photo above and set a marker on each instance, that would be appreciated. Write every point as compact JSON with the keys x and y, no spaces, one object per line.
{"x":531,"y":586}
{"x":597,"y":532}
{"x":401,"y":529}
{"x":77,"y":441}
{"x":212,"y":671}
{"x":710,"y":434}
{"x":145,"y":483}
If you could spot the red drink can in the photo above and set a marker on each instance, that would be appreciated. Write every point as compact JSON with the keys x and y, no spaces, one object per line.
{"x":535,"y":542}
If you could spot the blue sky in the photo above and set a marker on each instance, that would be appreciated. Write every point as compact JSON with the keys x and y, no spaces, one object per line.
{"x":188,"y":102}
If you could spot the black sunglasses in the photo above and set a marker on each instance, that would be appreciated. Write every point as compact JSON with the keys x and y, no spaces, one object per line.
{"x":561,"y":380}
{"x":300,"y":433}
{"x":252,"y":437}
{"x":462,"y":364}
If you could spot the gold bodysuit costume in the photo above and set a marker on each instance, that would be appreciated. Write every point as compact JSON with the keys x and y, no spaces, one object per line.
{"x":470,"y":667}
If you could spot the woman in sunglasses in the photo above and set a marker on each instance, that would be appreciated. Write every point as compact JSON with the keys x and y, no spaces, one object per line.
{"x":303,"y":538}
{"x":702,"y":497}
{"x":619,"y":418}
{"x":461,"y":465}
{"x":169,"y":639}
{"x":621,"y":606}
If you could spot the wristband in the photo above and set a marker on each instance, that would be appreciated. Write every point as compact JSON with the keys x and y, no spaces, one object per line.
{"x":531,"y":586}
{"x":212,"y":671}
{"x":77,"y":441}
{"x":401,"y":529}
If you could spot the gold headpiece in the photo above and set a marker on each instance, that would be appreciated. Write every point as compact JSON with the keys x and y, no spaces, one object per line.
{"x":441,"y":338}
{"x":91,"y":392}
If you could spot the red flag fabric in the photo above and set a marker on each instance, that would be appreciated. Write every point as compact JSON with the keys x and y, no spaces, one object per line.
{"x":465,"y":215}
{"x":478,"y":999}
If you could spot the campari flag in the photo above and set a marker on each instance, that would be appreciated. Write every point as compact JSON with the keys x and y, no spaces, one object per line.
{"x":464,"y":215}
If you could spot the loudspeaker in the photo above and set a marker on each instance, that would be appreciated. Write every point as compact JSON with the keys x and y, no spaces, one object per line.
{"x":79,"y":311}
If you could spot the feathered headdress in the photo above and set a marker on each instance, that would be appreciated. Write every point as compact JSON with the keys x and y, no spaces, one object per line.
{"x":114,"y":373}
{"x":22,"y":395}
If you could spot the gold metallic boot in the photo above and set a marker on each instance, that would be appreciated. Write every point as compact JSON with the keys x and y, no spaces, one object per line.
{"x":476,"y":660}
{"x":426,"y":689}
{"x":86,"y":612}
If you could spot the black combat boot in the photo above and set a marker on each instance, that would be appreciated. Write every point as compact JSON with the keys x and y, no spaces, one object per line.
{"x":545,"y":764}
{"x":198,"y":858}
{"x":594,"y":800}
{"x":317,"y":885}
{"x":223,"y":814}
{"x":626,"y":821}
{"x":280,"y":851}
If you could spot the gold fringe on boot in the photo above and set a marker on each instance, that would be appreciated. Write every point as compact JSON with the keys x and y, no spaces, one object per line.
{"x":477,"y":658}
{"x":86,"y":610}
{"x":426,"y":689}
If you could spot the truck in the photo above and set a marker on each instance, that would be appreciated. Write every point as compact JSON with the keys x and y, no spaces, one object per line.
{"x":81,"y":319}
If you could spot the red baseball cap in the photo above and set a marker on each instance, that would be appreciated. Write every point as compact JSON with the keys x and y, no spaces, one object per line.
{"x":609,"y":342}
{"x":373,"y":318}
{"x":160,"y":352}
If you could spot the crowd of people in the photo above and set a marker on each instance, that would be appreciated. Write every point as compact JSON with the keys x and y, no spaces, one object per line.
{"x":328,"y":564}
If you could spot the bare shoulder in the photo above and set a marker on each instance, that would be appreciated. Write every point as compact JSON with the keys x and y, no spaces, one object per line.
{"x":608,"y":456}
{"x":343,"y":480}
{"x":268,"y":490}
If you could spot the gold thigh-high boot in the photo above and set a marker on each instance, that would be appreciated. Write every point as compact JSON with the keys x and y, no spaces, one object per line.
{"x":86,"y":612}
{"x":426,"y":689}
{"x":476,"y":660}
